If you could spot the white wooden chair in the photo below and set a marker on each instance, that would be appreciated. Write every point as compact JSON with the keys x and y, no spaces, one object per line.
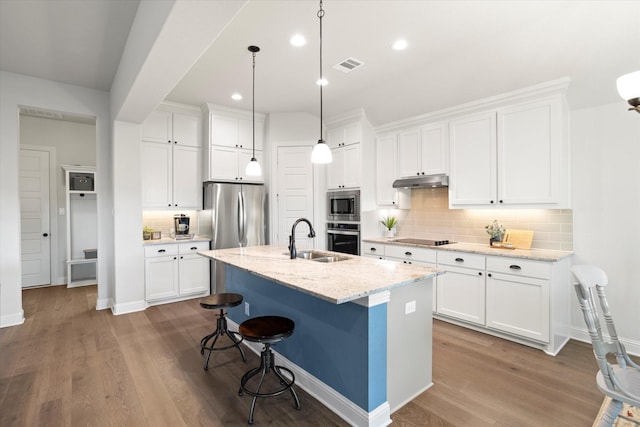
{"x":621,"y":381}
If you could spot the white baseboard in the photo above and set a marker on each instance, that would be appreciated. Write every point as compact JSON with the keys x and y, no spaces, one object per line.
{"x":12,"y":319}
{"x":129,"y":307}
{"x":104,"y":303}
{"x":580,"y":334}
{"x":340,"y":405}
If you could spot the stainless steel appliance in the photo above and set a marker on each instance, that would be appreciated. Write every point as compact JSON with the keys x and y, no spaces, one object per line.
{"x":234,"y":215}
{"x":181,"y":224}
{"x":343,"y":205}
{"x":343,"y":237}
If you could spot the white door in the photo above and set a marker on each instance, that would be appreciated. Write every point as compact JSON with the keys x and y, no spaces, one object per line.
{"x":34,"y":218}
{"x":294,"y":194}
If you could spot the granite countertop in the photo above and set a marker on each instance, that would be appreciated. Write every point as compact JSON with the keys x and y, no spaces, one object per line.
{"x":169,"y":240}
{"x":532,"y":254}
{"x":336,"y":282}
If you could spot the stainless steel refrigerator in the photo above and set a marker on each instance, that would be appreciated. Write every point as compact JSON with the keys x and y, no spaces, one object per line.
{"x":234,"y":215}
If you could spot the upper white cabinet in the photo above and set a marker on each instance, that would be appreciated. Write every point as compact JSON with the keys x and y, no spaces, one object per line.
{"x":516,"y":155}
{"x":423,"y":150}
{"x":230,"y":144}
{"x":345,"y":169}
{"x":387,"y":167}
{"x":170,"y":155}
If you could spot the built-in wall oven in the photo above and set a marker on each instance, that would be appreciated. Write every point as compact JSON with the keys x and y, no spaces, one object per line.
{"x":343,"y":205}
{"x":343,"y":237}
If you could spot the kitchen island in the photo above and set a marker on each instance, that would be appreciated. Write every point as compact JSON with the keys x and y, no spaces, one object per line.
{"x":362,"y":342}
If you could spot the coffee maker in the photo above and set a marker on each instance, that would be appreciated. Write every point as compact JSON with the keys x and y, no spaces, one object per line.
{"x":181,"y":224}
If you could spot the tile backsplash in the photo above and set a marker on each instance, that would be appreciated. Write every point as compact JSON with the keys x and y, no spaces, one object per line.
{"x":163,"y":221}
{"x":431,"y":218}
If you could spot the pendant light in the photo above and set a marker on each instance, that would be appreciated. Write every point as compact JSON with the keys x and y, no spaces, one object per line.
{"x":253,"y":167}
{"x":321,"y":152}
{"x":629,"y":89}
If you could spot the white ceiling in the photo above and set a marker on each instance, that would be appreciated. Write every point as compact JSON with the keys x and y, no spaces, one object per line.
{"x":459,"y":51}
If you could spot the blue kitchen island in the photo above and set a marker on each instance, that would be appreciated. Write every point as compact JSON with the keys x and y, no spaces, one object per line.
{"x":362,"y":341}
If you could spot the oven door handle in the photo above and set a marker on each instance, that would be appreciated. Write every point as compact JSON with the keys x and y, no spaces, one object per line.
{"x":346,"y":233}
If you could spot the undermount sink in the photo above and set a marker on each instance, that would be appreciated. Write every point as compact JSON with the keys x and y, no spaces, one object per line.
{"x":319,"y":256}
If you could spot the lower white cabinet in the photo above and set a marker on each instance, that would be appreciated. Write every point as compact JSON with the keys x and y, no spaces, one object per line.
{"x":373,"y":250}
{"x":461,"y":290}
{"x":175,"y":270}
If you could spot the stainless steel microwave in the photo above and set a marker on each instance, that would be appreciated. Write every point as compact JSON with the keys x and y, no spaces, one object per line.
{"x":343,"y":205}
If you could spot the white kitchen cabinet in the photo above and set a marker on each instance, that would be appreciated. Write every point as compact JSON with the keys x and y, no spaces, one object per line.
{"x":373,"y":250}
{"x":461,"y":290}
{"x":423,"y":150}
{"x":170,"y":156}
{"x":344,"y":171}
{"x":413,"y":255}
{"x":387,"y":167}
{"x":515,"y":155}
{"x":175,"y":270}
{"x":230,"y":144}
{"x":345,"y":135}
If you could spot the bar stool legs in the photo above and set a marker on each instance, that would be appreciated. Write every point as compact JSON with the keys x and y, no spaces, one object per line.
{"x":221,"y":329}
{"x":267,"y":364}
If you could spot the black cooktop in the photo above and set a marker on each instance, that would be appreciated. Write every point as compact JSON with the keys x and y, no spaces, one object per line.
{"x":424,"y":242}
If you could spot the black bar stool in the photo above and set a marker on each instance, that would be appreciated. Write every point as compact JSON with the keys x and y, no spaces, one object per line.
{"x":267,"y":330}
{"x":214,"y":302}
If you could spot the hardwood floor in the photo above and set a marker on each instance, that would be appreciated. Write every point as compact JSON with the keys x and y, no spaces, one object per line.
{"x":70,"y":365}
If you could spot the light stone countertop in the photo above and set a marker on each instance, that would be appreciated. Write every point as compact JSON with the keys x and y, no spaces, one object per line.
{"x":169,"y":240}
{"x":532,"y":254}
{"x":336,"y":282}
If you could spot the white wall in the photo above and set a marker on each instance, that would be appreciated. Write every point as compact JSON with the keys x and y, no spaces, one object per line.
{"x":18,"y":90}
{"x":606,"y":208}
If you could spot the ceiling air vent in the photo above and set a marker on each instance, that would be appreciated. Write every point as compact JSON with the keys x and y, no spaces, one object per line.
{"x":348,"y":65}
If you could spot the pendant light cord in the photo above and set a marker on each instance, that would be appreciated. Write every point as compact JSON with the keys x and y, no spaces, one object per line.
{"x":320,"y":15}
{"x":253,"y":105}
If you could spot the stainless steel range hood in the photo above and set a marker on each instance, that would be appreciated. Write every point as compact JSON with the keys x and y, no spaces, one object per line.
{"x":422,"y":181}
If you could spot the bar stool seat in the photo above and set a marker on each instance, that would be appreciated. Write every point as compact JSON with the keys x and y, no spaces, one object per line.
{"x":215,"y":302}
{"x":267,"y":330}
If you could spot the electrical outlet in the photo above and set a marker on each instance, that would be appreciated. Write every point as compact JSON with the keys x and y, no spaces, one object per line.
{"x":410,"y":307}
{"x":246,"y":308}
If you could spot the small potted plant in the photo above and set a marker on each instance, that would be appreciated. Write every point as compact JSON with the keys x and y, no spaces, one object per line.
{"x":389,"y":223}
{"x":495,"y":230}
{"x":146,"y":233}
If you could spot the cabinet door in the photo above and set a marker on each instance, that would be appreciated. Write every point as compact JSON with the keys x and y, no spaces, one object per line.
{"x":224,"y":163}
{"x":161,"y":277}
{"x":352,"y":165}
{"x":473,"y":160}
{"x":335,"y":171}
{"x":461,"y":294}
{"x":529,"y":140}
{"x":194,"y":274}
{"x":518,"y":305}
{"x":335,"y":137}
{"x":387,"y":169}
{"x":224,"y":131}
{"x":353,"y":133}
{"x":434,"y":149}
{"x":157,"y":127}
{"x":244,"y":157}
{"x":409,"y":153}
{"x":245,"y":129}
{"x":156,"y":174}
{"x":186,"y":130}
{"x":187,"y":182}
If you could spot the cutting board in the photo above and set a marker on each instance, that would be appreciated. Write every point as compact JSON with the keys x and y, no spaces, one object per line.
{"x":520,"y":239}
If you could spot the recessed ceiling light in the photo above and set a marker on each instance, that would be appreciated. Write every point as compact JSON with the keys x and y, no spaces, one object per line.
{"x":400,"y":44}
{"x":297,"y":40}
{"x":322,"y":82}
{"x":236,"y":97}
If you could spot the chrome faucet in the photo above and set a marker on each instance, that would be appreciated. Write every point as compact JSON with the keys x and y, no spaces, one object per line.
{"x":292,"y":237}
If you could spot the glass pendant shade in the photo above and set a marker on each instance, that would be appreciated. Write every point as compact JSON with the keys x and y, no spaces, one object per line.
{"x":321,"y":153}
{"x":629,"y":85}
{"x":253,"y":168}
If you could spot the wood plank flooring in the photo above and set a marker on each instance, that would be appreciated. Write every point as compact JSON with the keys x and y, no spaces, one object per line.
{"x":70,"y":365}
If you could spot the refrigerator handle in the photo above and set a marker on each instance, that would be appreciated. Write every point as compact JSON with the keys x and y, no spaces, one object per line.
{"x":241,"y":218}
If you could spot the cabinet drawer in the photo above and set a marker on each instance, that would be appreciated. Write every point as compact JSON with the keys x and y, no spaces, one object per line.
{"x":519,"y":267}
{"x":160,"y":250}
{"x":461,"y":259}
{"x":377,"y":249}
{"x":410,"y":253}
{"x":192,"y":247}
